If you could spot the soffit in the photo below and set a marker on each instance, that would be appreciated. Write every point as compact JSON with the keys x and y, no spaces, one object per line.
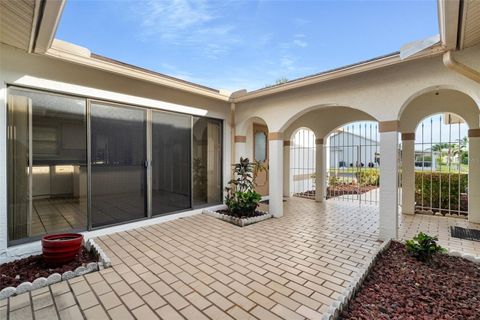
{"x":16,"y":19}
{"x":470,"y":34}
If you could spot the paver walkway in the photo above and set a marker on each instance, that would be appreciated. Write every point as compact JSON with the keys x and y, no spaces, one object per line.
{"x":203,"y":268}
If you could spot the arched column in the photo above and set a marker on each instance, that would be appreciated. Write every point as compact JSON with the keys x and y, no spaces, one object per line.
{"x":388,"y":224}
{"x":286,"y":168}
{"x":319,"y":170}
{"x":474,"y":175}
{"x":275,"y":196}
{"x":408,"y":173}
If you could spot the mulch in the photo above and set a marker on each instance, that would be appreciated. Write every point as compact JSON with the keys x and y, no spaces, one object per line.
{"x":401,"y":287}
{"x":28,"y":269}
{"x":228,"y":213}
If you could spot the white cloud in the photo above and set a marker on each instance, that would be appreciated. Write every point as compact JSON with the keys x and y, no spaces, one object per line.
{"x":188,"y":23}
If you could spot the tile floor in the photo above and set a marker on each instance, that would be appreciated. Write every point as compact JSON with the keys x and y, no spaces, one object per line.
{"x":203,"y":268}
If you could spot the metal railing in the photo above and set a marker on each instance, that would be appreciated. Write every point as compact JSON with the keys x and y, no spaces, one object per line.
{"x":302,"y":164}
{"x":353,"y":161}
{"x":441,"y":166}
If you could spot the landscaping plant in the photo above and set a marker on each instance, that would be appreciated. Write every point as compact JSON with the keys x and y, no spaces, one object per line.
{"x":241,"y":198}
{"x":443,"y":189}
{"x":423,"y":247}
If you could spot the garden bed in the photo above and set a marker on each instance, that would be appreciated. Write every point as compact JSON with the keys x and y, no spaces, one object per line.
{"x":28,"y":269}
{"x":401,"y":287}
{"x":225,"y":215}
{"x":33,"y":272}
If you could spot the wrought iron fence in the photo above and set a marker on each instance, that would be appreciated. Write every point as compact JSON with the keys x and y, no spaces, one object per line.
{"x":353,"y":160}
{"x":302,"y":164}
{"x":441,"y":166}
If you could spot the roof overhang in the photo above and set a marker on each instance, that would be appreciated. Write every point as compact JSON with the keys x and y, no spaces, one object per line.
{"x":448,"y":17}
{"x":30,"y":25}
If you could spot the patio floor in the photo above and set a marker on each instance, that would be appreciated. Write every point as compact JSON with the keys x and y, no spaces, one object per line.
{"x":203,"y":268}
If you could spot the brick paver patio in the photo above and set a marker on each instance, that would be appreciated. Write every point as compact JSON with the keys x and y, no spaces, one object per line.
{"x":203,"y":268}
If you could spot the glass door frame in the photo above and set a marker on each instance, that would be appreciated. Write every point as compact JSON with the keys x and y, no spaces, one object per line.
{"x":146,"y":166}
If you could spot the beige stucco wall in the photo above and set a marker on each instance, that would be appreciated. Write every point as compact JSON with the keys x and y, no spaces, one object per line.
{"x":323,"y":121}
{"x":439,"y":101}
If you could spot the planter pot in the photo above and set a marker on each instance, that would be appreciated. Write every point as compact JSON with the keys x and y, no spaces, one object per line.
{"x":61,"y":248}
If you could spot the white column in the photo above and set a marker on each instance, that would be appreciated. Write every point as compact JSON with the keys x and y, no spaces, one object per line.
{"x":286,"y":168}
{"x":240,"y":148}
{"x":319,"y":170}
{"x":408,"y":173}
{"x":474,"y":175}
{"x":388,"y":180}
{"x":275,"y":174}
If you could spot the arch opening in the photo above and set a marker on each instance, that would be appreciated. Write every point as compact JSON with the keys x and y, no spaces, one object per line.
{"x":303,"y":163}
{"x":441,"y":152}
{"x":352,"y":154}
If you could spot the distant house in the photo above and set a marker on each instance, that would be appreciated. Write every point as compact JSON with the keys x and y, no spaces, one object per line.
{"x":347,"y":149}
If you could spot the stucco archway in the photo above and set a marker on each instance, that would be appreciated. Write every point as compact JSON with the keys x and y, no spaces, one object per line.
{"x":448,"y":103}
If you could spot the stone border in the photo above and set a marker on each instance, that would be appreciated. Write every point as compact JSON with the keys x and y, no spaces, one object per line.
{"x":90,"y":245}
{"x":237,"y":221}
{"x":349,"y":293}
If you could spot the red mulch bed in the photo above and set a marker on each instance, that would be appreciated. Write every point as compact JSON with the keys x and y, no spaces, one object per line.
{"x":400,"y":287}
{"x":28,"y":269}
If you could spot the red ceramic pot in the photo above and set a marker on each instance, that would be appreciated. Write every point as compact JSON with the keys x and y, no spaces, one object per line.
{"x":61,"y":248}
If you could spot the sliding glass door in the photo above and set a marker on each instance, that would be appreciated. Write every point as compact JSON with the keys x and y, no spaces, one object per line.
{"x":171,"y":148}
{"x":118,"y":164}
{"x":47,"y":164}
{"x":75,"y":164}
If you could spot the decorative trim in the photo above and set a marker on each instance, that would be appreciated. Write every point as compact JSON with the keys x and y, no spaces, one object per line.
{"x":388,"y":126}
{"x":287,"y":143}
{"x":240,"y":139}
{"x":90,"y":245}
{"x":275,"y":136}
{"x":408,"y":136}
{"x":474,"y":133}
{"x":237,"y":221}
{"x":319,"y":141}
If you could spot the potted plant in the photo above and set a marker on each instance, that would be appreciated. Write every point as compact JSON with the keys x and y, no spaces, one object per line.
{"x":61,"y":248}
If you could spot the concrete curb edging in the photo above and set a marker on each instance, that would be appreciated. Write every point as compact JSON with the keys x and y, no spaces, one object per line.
{"x":237,"y":221}
{"x":349,"y":293}
{"x":90,"y":245}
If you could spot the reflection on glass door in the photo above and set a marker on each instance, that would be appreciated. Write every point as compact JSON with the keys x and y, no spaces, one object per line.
{"x":207,"y":161}
{"x":118,"y":153}
{"x":171,"y":140}
{"x":47,"y":164}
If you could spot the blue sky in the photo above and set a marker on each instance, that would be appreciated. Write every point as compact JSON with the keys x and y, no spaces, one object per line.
{"x":245,"y":44}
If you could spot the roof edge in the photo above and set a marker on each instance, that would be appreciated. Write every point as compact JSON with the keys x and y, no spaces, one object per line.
{"x":348,"y":70}
{"x":66,"y":51}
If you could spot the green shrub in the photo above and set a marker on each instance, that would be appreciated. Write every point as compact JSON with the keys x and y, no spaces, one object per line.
{"x":423,"y":247}
{"x":243,"y":203}
{"x":368,"y":177}
{"x":431,"y":183}
{"x":241,"y":198}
